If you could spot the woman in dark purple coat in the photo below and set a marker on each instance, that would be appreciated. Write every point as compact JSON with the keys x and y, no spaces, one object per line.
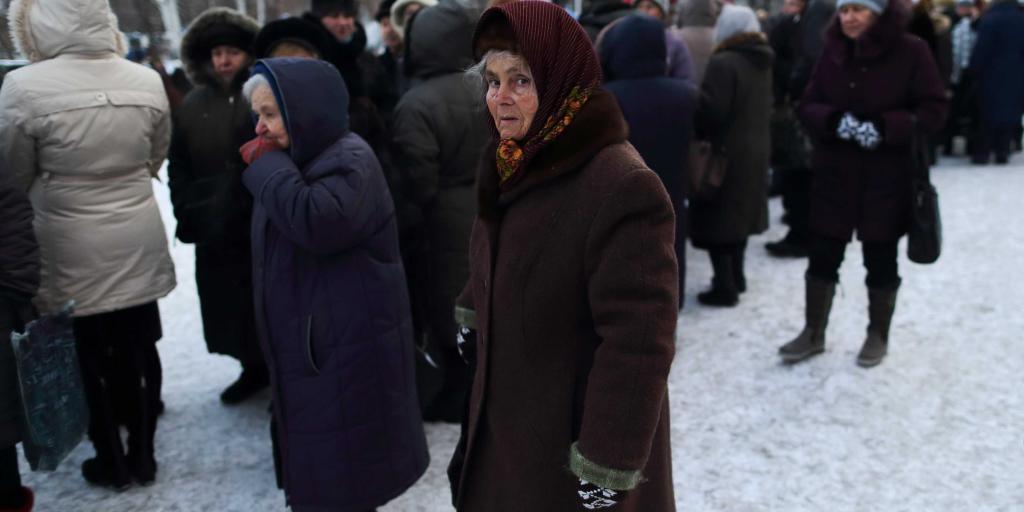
{"x":331,"y":303}
{"x":874,"y":86}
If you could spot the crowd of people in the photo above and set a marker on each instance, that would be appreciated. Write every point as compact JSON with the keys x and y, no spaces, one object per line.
{"x":485,"y":224}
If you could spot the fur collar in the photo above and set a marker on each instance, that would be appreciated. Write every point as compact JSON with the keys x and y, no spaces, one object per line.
{"x":741,"y":39}
{"x":597,"y":125}
{"x":200,"y":70}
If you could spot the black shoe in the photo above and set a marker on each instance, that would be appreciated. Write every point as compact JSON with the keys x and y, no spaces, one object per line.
{"x":786,"y":249}
{"x":718,"y":297}
{"x":142,"y":468}
{"x":247,"y":385}
{"x":1002,"y":159}
{"x":104,"y":475}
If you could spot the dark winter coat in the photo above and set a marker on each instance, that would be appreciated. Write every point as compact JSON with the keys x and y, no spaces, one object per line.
{"x":735,"y":111}
{"x":887,"y":76}
{"x":332,"y":309}
{"x":998,"y":64}
{"x":572,"y":277}
{"x":797,"y":41}
{"x":386,"y":83}
{"x":658,"y":110}
{"x":212,"y":206}
{"x":439,"y":136}
{"x":19,"y":280}
{"x":602,"y":13}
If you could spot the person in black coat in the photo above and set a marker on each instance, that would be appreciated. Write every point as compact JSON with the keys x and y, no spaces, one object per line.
{"x":212,"y":207}
{"x":998,"y":65}
{"x":797,"y":40}
{"x":439,"y":138}
{"x":19,"y":280}
{"x":658,"y":109}
{"x":386,"y":82}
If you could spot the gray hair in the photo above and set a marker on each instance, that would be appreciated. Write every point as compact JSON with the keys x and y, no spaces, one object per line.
{"x":475,"y":75}
{"x":254,"y":82}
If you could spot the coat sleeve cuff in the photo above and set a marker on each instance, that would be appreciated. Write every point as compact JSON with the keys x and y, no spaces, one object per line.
{"x":257,"y":174}
{"x":608,"y":478}
{"x":465,"y":316}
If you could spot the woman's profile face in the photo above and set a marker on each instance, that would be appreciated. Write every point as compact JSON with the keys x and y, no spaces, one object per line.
{"x":855,"y":20}
{"x":511,"y":95}
{"x":271,"y":123}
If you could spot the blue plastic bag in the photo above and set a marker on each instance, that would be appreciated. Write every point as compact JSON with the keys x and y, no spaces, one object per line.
{"x":56,"y":415}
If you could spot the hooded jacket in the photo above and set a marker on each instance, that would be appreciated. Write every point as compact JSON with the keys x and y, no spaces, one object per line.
{"x":734,"y":111}
{"x":439,"y":137}
{"x":331,"y":304}
{"x":102,"y":242}
{"x":658,"y":109}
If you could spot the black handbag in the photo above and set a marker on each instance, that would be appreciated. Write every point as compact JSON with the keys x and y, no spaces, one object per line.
{"x":924,"y":235}
{"x":707,"y":167}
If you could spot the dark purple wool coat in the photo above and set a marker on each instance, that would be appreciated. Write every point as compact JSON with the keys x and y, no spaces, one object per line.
{"x":331,"y":304}
{"x":889,"y":77}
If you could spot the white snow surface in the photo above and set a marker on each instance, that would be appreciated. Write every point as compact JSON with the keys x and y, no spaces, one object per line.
{"x":937,"y":427}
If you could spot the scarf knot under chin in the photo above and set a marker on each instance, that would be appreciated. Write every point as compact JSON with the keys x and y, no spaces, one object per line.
{"x":511,"y":155}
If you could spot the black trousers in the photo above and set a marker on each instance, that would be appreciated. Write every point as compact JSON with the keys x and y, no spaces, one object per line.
{"x":826,"y":256}
{"x":122,"y":378}
{"x":796,"y":200}
{"x":10,"y":480}
{"x":995,"y":139}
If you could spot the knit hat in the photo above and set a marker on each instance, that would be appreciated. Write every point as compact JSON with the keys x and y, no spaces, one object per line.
{"x":875,"y":6}
{"x":322,"y":8}
{"x":565,"y":70}
{"x":227,"y":34}
{"x":399,"y":18}
{"x":736,"y":19}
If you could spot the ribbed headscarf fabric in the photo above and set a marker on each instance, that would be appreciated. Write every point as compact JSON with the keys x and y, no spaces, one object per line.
{"x":565,"y":71}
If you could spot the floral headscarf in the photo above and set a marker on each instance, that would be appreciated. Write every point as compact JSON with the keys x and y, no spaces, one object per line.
{"x":565,"y":70}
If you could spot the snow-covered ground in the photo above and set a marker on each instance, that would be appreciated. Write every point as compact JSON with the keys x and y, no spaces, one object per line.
{"x":938,"y":427}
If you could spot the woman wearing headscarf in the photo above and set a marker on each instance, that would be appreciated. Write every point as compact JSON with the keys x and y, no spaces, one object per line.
{"x":84,"y":132}
{"x":332,"y":310}
{"x":734,"y":112}
{"x":572,"y":286}
{"x":874,"y":87}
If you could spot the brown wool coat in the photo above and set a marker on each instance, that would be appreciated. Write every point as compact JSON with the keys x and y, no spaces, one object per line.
{"x":573,"y":279}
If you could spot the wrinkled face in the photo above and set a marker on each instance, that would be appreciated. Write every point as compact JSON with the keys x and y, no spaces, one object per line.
{"x":389,"y":35}
{"x":270,"y":124}
{"x":511,"y":95}
{"x":227,"y":62}
{"x":650,"y":9}
{"x":340,"y":25}
{"x":793,"y":7}
{"x":855,"y":20}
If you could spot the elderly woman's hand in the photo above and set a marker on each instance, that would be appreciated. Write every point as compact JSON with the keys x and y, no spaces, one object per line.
{"x":255,"y":148}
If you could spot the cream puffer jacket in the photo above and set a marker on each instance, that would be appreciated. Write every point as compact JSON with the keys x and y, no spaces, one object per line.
{"x":85,"y":131}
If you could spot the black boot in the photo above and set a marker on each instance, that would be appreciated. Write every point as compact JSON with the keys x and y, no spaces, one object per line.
{"x":811,"y":341}
{"x":789,"y":247}
{"x":738,"y":273}
{"x":723,"y":285}
{"x":142,"y":429}
{"x":248,"y":384}
{"x":109,"y":468}
{"x":881,"y":305}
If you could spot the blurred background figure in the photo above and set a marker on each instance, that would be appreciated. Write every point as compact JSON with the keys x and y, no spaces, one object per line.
{"x":658,"y":109}
{"x":102,"y":241}
{"x":211,"y":205}
{"x":963,"y":117}
{"x":998,"y":65}
{"x":734,"y":113}
{"x":677,"y":55}
{"x":437,"y":144}
{"x":696,"y":29}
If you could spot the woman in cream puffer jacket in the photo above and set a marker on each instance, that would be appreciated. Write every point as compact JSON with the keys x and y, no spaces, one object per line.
{"x":84,"y":131}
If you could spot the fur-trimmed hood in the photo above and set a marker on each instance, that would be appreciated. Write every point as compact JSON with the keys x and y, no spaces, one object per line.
{"x":752,"y":45}
{"x":44,"y":29}
{"x":195,"y":56}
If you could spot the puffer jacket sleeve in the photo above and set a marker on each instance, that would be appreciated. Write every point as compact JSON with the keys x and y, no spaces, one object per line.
{"x":161,"y":138}
{"x":815,"y":112}
{"x":179,"y":169}
{"x":417,"y":156}
{"x":17,"y":147}
{"x":324,"y":216}
{"x":19,"y":250}
{"x":632,"y":289}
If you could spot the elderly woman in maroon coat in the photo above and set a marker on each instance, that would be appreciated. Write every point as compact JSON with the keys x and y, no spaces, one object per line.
{"x":573,"y":284}
{"x":874,"y":87}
